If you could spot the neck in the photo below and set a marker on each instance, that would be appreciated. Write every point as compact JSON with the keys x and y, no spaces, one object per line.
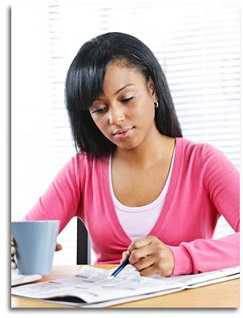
{"x":154,"y":148}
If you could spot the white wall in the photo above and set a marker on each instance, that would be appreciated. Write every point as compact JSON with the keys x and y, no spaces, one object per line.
{"x":33,"y":161}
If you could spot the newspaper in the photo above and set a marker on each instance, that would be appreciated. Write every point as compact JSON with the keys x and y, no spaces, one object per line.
{"x":95,"y":287}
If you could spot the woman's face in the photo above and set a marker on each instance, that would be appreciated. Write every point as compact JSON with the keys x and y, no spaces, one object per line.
{"x":125,"y":113}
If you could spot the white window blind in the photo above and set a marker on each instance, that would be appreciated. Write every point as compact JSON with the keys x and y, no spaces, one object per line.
{"x":198,"y":46}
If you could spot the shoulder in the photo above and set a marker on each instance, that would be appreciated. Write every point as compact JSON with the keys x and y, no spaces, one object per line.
{"x":200,"y":152}
{"x":204,"y":157}
{"x":82,"y":164}
{"x":80,"y":169}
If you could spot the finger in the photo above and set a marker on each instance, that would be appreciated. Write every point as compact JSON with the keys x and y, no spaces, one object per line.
{"x":149,"y":271}
{"x":13,"y":250}
{"x":140,"y":253}
{"x":12,"y":241}
{"x":58,"y":247}
{"x":124,"y":256}
{"x":141,"y":243}
{"x":144,"y":263}
{"x":13,"y":264}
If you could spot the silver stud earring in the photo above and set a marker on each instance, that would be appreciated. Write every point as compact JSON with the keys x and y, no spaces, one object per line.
{"x":156,"y":104}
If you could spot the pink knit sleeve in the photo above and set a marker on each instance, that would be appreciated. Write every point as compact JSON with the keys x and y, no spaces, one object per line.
{"x":222,"y":183}
{"x":62,"y":199}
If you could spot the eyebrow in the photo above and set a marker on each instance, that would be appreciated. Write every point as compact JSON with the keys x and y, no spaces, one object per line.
{"x":120,"y":89}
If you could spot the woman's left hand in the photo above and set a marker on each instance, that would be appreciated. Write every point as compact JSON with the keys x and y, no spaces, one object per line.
{"x":151,"y":256}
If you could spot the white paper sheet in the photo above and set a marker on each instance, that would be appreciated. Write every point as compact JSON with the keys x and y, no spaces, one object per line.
{"x":19,"y":279}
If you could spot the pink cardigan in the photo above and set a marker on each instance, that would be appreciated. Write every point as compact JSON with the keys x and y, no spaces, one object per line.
{"x":204,"y":185}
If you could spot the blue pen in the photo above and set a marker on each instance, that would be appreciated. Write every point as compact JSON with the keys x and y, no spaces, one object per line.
{"x":120,"y":267}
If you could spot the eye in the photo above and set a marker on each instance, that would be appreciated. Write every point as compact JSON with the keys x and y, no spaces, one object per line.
{"x":98,"y":110}
{"x":127,"y":99}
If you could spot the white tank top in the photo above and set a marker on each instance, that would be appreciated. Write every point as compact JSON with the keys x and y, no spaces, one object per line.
{"x":137,"y":222}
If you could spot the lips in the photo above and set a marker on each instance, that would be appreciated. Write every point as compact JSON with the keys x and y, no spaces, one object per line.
{"x":121,"y":131}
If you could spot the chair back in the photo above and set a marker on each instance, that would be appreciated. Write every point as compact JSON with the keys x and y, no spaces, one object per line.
{"x":83,"y":245}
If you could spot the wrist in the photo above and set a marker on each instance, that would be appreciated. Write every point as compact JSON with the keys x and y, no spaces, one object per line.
{"x":182,"y":261}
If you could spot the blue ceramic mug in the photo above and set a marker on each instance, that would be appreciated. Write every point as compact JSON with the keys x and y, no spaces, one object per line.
{"x":35,"y":245}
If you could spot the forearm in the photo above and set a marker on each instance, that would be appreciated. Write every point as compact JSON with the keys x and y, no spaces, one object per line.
{"x":204,"y":255}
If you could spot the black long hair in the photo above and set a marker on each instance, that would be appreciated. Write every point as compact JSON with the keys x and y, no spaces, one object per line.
{"x":84,"y":84}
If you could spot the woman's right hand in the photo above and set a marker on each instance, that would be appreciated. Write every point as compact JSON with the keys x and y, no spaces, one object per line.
{"x":13,"y":252}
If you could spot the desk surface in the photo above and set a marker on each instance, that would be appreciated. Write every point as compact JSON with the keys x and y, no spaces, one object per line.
{"x":220,"y":295}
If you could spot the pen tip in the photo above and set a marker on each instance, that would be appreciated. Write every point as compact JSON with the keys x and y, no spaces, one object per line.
{"x":110,"y":277}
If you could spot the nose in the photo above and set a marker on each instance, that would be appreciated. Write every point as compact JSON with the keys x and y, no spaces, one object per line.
{"x":116,"y":115}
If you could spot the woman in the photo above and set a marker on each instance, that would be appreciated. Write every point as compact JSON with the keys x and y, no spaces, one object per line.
{"x":140,"y":188}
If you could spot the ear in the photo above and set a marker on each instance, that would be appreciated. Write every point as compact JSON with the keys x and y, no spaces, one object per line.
{"x":151,"y":87}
